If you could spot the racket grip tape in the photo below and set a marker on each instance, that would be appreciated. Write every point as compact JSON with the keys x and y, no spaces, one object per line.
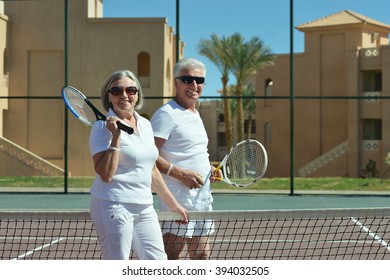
{"x":126,"y":128}
{"x":215,"y":170}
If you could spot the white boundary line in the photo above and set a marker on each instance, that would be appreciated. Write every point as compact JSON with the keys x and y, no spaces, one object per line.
{"x":39,"y":248}
{"x":371,"y":233}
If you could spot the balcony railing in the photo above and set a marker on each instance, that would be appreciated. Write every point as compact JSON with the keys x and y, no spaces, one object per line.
{"x":373,"y":96}
{"x":371,"y":145}
{"x":370,"y":52}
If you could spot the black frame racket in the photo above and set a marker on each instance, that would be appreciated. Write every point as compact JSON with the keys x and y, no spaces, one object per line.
{"x":84,"y":110}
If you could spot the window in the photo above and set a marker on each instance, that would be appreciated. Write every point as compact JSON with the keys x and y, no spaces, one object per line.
{"x":221,"y":117}
{"x":372,"y":81}
{"x":372,"y":129}
{"x":143,"y":64}
{"x":143,"y":69}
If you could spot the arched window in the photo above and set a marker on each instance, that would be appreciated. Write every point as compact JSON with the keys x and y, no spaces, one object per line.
{"x":268,"y":92}
{"x":221,"y":117}
{"x":143,"y":68}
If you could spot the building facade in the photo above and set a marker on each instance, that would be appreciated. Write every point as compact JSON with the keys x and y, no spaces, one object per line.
{"x":37,"y":60}
{"x":341,"y":112}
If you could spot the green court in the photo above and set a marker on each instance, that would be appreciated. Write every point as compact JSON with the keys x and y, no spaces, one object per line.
{"x":222,"y":201}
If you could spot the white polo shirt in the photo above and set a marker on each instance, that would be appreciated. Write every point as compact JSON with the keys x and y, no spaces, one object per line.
{"x":185,"y":145}
{"x":138,"y":154}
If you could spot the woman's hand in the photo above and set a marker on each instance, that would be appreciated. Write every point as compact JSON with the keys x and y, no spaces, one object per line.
{"x":161,"y":189}
{"x":112,"y":125}
{"x":182,"y":212}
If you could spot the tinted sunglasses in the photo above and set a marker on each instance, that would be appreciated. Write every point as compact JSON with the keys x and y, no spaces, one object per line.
{"x":115,"y":91}
{"x":191,"y":79}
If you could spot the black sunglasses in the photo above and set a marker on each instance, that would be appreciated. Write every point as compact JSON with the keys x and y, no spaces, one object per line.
{"x":191,"y":79}
{"x":115,"y":91}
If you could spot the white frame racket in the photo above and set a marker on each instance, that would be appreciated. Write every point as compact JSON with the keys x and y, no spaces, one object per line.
{"x":245,"y":163}
{"x":84,"y":110}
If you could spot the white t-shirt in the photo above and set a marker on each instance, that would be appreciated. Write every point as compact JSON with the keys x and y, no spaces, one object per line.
{"x":185,"y":146}
{"x":138,"y":154}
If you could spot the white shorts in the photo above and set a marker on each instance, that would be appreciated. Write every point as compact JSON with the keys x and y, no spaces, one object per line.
{"x":194,"y":227}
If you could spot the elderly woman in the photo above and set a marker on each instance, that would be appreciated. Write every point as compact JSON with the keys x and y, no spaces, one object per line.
{"x":122,"y":202}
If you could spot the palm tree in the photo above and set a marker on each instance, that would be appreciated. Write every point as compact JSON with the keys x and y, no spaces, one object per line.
{"x":249,"y":104}
{"x":215,"y":50}
{"x":245,"y":58}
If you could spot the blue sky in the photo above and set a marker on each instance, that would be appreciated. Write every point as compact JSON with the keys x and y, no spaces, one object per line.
{"x":268,"y":20}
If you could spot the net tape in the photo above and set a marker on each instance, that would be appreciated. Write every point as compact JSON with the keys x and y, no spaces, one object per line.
{"x":332,"y":234}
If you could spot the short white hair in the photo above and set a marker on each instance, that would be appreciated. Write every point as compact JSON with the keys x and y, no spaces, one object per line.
{"x":188,"y":63}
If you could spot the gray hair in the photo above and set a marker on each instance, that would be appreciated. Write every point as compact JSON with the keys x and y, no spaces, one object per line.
{"x":116,"y":76}
{"x":188,"y":63}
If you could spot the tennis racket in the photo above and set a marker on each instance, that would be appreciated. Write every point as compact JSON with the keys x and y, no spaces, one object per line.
{"x":84,"y":110}
{"x":245,"y":163}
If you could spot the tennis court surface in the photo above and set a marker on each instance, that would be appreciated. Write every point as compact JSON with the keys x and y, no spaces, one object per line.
{"x":247,"y":227}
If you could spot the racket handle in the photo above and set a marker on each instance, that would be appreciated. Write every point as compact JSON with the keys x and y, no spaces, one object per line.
{"x":218,"y":168}
{"x":215,"y":170}
{"x":126,"y":128}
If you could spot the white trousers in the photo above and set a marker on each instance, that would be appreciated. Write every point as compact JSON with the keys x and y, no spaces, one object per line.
{"x":125,"y":226}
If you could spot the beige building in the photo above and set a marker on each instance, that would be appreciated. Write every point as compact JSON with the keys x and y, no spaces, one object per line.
{"x":336,"y":131}
{"x":33,"y":63}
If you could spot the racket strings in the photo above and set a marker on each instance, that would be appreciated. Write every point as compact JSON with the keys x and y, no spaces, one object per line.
{"x":78,"y":104}
{"x":245,"y":163}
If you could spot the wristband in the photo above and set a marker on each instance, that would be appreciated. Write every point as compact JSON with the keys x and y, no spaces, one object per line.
{"x":170,"y":168}
{"x":114,"y":148}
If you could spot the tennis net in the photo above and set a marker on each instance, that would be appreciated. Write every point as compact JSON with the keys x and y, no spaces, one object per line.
{"x":331,"y":234}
